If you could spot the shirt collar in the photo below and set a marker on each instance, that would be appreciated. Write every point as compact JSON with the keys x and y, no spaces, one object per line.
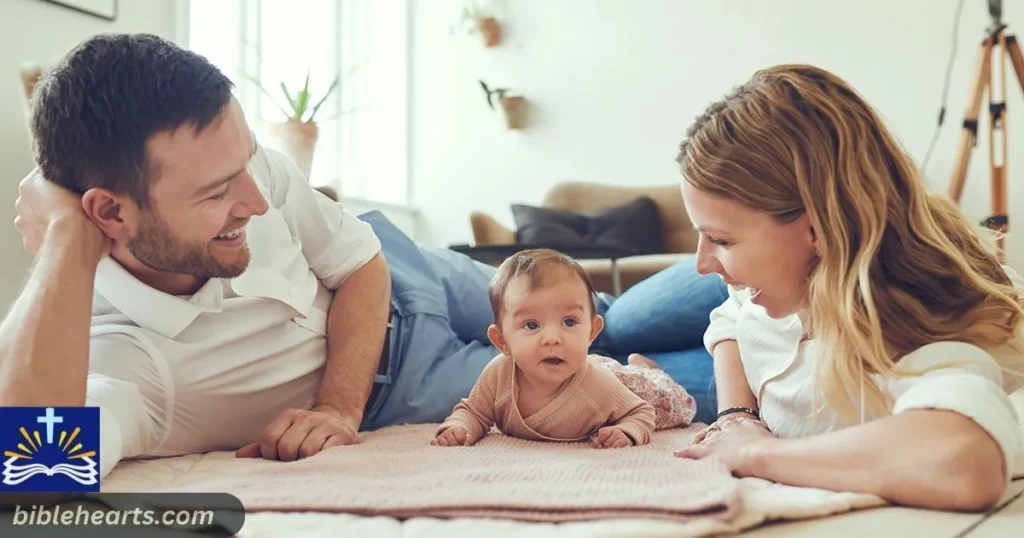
{"x":151,"y":308}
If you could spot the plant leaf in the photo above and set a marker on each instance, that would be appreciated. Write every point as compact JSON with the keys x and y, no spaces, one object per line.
{"x":488,"y":91}
{"x":301,"y":104}
{"x":330,"y":90}
{"x":291,"y":101}
{"x":303,"y":97}
{"x":265,"y":92}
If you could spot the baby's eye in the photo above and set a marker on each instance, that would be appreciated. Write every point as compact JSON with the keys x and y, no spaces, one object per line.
{"x":531,"y":325}
{"x":570,"y":322}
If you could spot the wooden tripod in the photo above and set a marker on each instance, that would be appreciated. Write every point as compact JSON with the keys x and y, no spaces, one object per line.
{"x":983,"y":79}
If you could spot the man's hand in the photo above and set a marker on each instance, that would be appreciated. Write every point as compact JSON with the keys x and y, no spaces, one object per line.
{"x":298,"y":433}
{"x":42,"y":203}
{"x":454,"y":436}
{"x":611,"y":437}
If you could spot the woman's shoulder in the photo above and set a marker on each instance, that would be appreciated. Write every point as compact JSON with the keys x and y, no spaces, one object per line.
{"x":982,"y":360}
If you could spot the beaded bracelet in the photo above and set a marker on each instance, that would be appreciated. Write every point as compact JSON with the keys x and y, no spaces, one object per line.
{"x":732,"y":410}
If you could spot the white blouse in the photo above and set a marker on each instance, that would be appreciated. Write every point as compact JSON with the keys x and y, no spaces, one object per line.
{"x":779,"y":367}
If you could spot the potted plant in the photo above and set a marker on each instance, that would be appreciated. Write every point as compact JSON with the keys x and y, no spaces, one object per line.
{"x":483,"y":22}
{"x":297,"y":135}
{"x":513,"y":106}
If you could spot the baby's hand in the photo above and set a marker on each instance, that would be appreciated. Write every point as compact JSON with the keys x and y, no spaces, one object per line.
{"x":454,"y":436}
{"x":611,"y":437}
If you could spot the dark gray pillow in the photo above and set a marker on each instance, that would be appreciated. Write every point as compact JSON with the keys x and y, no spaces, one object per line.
{"x":634,"y":227}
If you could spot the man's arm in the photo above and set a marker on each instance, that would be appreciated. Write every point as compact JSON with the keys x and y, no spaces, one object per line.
{"x":44,"y":340}
{"x":344,"y":254}
{"x":356,"y":325}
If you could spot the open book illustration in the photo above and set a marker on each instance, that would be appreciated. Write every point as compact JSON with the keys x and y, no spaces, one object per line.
{"x":17,"y":470}
{"x":52,"y":453}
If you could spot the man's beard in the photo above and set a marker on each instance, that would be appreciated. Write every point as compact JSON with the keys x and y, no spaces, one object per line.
{"x":157,"y":248}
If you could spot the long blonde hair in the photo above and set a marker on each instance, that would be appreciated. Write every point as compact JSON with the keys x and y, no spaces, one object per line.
{"x":899,"y":268}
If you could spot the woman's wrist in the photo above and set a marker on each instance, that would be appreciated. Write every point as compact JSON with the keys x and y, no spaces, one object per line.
{"x":755,"y":457}
{"x":745,"y":411}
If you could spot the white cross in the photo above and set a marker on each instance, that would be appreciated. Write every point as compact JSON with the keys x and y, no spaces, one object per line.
{"x":49,"y":419}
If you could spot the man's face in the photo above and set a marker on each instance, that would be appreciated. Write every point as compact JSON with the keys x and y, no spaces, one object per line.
{"x":201,"y":201}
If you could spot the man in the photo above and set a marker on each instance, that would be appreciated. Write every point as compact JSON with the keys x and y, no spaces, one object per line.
{"x":237,"y":307}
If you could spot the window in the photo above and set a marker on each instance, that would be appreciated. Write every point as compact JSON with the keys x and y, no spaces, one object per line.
{"x":362,"y":148}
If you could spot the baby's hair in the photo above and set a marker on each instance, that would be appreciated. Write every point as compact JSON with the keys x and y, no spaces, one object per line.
{"x":542,"y":267}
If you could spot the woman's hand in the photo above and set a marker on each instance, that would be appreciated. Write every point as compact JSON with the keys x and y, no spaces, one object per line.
{"x":734,"y":440}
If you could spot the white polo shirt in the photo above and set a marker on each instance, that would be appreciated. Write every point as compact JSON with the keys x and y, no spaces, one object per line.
{"x":175,"y":375}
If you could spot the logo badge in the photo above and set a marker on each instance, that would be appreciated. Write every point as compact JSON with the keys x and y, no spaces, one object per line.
{"x":50,"y":449}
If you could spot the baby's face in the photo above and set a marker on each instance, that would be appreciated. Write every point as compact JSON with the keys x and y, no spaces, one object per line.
{"x":548,"y":330}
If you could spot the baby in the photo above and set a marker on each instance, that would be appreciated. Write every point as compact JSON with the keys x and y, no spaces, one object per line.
{"x":545,"y":385}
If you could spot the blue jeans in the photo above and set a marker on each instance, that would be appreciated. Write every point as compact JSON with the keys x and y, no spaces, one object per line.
{"x":441,"y":312}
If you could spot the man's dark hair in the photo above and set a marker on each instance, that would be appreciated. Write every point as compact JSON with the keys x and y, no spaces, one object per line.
{"x":94,"y":112}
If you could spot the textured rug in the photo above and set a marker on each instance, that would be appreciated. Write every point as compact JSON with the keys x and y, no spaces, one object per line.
{"x":395,"y":472}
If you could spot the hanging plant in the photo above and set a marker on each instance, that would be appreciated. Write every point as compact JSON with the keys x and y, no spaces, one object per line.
{"x":513,"y":106}
{"x":483,"y":22}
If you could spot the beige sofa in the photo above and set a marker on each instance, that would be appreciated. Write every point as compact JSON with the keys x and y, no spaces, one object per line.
{"x":678,"y":235}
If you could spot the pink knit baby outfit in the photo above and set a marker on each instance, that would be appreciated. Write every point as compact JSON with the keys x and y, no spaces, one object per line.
{"x":673,"y":406}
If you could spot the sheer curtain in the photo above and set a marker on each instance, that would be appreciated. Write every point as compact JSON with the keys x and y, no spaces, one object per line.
{"x":362,"y":149}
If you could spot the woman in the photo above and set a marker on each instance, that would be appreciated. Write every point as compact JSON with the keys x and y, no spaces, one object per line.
{"x":870,"y":339}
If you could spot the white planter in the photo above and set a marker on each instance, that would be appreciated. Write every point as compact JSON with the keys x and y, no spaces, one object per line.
{"x":297,"y":140}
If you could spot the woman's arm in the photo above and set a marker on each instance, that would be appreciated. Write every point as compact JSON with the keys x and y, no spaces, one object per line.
{"x":730,"y":379}
{"x":931,"y":459}
{"x":720,"y":340}
{"x":950,"y":442}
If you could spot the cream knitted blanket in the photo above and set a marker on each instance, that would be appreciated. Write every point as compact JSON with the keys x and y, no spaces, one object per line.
{"x":395,"y":472}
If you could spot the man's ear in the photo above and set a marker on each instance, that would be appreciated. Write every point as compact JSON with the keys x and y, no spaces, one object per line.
{"x":596,"y":326}
{"x":498,"y":339}
{"x":116,"y":215}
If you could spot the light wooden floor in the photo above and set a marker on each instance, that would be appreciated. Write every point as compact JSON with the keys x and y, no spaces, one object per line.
{"x":1007,"y":520}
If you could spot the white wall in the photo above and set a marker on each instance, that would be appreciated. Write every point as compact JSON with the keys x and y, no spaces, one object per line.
{"x":33,"y":31}
{"x":615,"y":83}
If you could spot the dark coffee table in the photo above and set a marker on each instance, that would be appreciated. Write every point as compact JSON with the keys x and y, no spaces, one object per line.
{"x":495,"y":254}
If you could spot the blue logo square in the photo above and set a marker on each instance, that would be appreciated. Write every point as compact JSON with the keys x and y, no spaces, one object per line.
{"x":50,"y":449}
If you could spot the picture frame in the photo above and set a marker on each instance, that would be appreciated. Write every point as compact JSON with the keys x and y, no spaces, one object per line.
{"x":103,"y":9}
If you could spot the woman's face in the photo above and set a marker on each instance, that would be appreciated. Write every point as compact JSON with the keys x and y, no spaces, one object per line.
{"x":748,"y":248}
